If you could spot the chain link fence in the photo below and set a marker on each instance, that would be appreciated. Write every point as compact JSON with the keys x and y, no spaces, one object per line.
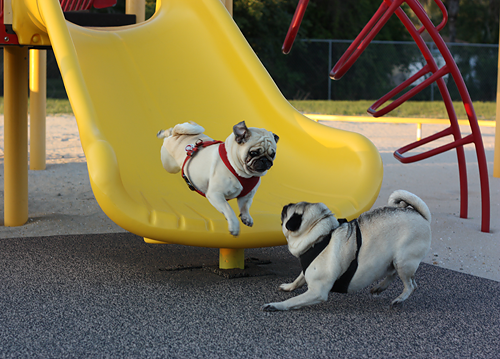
{"x":304,"y":73}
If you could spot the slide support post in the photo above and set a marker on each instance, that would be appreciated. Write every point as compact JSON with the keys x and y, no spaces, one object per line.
{"x":15,"y":135}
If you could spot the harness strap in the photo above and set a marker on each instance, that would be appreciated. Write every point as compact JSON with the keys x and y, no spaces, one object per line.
{"x":311,"y":254}
{"x":342,"y":283}
{"x":191,"y":150}
{"x":247,"y":183}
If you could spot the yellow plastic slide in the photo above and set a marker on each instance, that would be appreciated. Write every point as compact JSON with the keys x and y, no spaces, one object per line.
{"x":190,"y":62}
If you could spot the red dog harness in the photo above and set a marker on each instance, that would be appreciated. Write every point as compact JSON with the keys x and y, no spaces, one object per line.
{"x":191,"y":150}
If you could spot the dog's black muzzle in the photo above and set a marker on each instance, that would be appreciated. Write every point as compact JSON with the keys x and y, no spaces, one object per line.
{"x":262,"y":164}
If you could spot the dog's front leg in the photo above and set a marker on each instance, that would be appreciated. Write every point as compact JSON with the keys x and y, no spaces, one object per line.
{"x":313,"y":295}
{"x":297,"y":283}
{"x":218,"y":200}
{"x":244,"y":204}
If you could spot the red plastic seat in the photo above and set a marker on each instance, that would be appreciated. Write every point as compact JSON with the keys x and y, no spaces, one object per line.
{"x":77,"y":5}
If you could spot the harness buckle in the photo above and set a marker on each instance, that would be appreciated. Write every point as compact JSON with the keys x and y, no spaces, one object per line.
{"x":191,"y":149}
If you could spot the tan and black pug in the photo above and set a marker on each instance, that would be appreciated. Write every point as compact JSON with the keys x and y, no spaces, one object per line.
{"x":381,"y":244}
{"x":221,"y":170}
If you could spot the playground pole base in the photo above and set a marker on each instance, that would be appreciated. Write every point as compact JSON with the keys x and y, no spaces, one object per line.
{"x":230,"y":258}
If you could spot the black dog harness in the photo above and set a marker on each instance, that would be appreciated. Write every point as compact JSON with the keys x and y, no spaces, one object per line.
{"x":341,"y":284}
{"x":248,"y":184}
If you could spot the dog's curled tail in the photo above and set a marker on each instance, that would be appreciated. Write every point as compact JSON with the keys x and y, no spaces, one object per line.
{"x":186,"y":128}
{"x":403,"y":199}
{"x":164,"y":133}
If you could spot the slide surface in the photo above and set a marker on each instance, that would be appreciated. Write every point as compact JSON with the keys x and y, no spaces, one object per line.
{"x":190,"y":62}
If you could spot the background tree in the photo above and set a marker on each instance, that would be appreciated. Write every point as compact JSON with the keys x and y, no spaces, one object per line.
{"x":474,"y":21}
{"x":453,"y":6}
{"x":304,"y":72}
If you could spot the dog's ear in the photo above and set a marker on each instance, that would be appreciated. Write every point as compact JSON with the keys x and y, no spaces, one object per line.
{"x":284,"y":212}
{"x":276,"y":137}
{"x":294,"y":222}
{"x":241,"y":132}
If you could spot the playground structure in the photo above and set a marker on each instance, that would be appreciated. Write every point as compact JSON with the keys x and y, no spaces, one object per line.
{"x":379,"y":19}
{"x":188,"y":62}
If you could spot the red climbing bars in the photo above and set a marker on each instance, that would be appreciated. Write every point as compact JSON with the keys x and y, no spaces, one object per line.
{"x":371,"y":29}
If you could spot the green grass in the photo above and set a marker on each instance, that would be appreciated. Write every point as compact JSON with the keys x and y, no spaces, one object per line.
{"x":436,"y":109}
{"x":54,"y":106}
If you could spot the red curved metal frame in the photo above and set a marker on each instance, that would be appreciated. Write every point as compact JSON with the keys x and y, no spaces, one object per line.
{"x":294,"y":26}
{"x":386,"y":9}
{"x":371,"y":29}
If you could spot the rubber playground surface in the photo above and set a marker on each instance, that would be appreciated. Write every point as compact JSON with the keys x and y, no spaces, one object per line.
{"x":76,"y":285}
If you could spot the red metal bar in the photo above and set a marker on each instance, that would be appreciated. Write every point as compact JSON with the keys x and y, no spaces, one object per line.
{"x":386,"y":9}
{"x":294,"y":26}
{"x":464,"y":94}
{"x":447,"y":100}
{"x":415,"y":90}
{"x":368,"y":33}
{"x":455,"y":128}
{"x":443,"y":22}
{"x":422,"y":156}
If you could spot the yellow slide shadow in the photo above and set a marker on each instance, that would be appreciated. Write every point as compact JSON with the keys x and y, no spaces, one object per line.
{"x":191,"y":62}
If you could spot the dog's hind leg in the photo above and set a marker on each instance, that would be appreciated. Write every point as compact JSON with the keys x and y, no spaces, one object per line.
{"x":168,"y":162}
{"x":380,"y":287}
{"x":407,"y":275}
{"x":216,"y":199}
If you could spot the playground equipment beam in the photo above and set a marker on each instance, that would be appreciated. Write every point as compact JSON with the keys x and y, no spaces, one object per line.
{"x":38,"y":95}
{"x":496,"y":158}
{"x":137,"y":8}
{"x":15,"y":135}
{"x":230,"y":258}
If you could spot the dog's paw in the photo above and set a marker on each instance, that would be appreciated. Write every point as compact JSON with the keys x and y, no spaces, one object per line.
{"x":247,"y":220}
{"x":376,"y":291}
{"x":287,"y":287}
{"x":235,"y":232}
{"x":396,"y":303}
{"x":234,"y":227}
{"x":270,"y":307}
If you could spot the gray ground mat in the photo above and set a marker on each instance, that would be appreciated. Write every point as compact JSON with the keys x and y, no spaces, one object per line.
{"x":114,"y":296}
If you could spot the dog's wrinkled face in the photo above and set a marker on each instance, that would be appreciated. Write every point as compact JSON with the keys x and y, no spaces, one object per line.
{"x":256,"y":148}
{"x":303,"y":223}
{"x":297,"y":218}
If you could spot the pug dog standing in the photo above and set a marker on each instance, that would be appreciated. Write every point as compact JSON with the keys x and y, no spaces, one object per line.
{"x":347,"y":257}
{"x":218,"y":170}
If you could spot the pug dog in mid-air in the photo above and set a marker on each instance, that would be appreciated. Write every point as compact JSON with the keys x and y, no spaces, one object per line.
{"x":218,"y":170}
{"x":349,"y":256}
